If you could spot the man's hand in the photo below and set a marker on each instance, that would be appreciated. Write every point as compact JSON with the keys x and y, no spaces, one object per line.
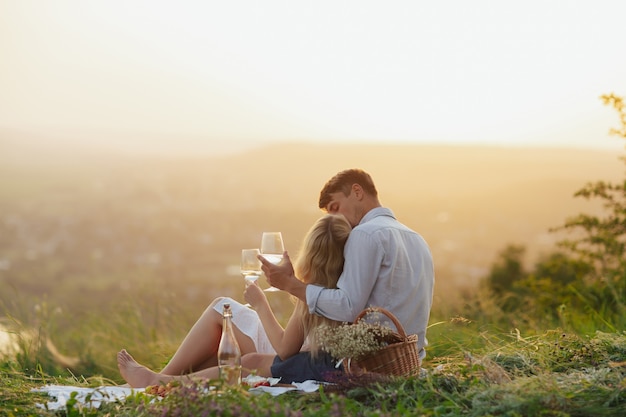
{"x":282,"y":276}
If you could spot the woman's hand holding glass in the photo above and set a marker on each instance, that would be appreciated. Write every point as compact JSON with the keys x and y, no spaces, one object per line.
{"x":250,"y":267}
{"x":254,"y":296}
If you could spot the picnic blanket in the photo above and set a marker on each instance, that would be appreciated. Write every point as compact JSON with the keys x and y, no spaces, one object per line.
{"x":93,"y":397}
{"x":90,"y":397}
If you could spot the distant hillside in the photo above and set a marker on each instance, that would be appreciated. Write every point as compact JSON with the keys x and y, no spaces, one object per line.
{"x":469,"y":202}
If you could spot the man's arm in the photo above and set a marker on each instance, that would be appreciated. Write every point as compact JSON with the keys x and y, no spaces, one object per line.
{"x":363,"y":260}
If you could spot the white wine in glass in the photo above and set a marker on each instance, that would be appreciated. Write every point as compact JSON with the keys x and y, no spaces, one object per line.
{"x":272,"y":249}
{"x":250,"y":265}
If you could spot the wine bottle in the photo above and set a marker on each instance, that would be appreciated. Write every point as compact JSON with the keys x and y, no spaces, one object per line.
{"x":228,"y":352}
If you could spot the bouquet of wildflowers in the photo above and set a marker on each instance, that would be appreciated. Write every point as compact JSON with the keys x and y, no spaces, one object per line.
{"x":354,"y":340}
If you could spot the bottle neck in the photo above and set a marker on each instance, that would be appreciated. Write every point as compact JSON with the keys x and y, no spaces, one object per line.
{"x":227,"y":315}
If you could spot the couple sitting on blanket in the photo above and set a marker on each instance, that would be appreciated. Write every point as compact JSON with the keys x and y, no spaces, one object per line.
{"x":356,"y":256}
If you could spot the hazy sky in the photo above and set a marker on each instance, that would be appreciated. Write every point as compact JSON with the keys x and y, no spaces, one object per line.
{"x":425,"y":71}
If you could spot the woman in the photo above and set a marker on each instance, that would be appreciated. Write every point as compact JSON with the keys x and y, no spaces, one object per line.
{"x":270,"y":350}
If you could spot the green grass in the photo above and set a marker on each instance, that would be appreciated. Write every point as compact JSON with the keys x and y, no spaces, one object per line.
{"x":472,"y":370}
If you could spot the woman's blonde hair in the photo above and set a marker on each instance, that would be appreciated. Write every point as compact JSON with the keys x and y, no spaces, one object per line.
{"x":320,"y":262}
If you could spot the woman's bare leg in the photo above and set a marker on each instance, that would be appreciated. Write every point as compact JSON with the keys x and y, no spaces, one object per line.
{"x":138,"y":376}
{"x":199,"y":348}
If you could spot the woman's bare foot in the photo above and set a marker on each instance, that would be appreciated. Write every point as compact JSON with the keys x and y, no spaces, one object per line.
{"x":138,"y":376}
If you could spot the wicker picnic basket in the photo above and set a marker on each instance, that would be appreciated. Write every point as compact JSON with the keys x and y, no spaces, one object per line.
{"x":398,"y":358}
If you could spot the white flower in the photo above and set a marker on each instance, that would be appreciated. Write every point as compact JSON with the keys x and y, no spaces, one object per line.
{"x":354,"y":340}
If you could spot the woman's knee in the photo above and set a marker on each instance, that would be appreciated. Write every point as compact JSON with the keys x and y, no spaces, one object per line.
{"x":214,"y":306}
{"x":259,"y":363}
{"x":251,"y":360}
{"x":216,"y":302}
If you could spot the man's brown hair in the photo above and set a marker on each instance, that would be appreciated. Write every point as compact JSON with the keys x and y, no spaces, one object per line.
{"x":343,"y":182}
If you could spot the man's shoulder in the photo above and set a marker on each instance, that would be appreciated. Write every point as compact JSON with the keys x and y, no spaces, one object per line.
{"x":376,"y":215}
{"x":379,"y":224}
{"x":380,"y":220}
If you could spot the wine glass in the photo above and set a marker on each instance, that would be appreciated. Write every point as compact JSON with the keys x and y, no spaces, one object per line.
{"x":250,"y":265}
{"x":272,"y":249}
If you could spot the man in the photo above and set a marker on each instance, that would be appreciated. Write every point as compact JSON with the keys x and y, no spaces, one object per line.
{"x":386,"y":265}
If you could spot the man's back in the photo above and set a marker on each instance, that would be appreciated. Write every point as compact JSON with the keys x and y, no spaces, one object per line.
{"x":398,"y":264}
{"x":386,"y":265}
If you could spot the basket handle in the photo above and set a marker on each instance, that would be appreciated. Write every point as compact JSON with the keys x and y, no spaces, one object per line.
{"x":386,"y":313}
